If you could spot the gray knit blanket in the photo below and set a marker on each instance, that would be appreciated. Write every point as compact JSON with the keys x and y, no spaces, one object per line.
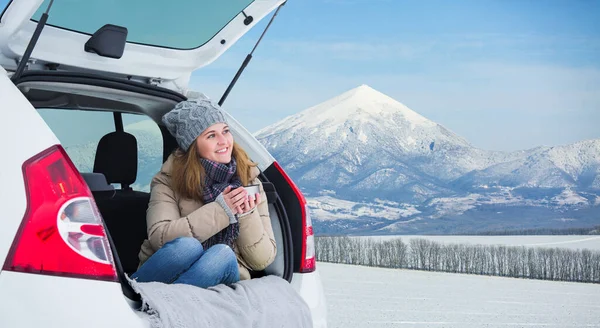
{"x":263,"y":302}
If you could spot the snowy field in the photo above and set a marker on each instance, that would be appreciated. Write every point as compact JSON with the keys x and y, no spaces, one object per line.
{"x":374,"y":297}
{"x":570,"y":242}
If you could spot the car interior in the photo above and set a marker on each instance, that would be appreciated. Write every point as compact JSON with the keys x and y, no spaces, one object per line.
{"x":116,"y":161}
{"x":124,"y":209}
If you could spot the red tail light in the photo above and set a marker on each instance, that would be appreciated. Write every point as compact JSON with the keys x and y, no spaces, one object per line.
{"x":308,"y":263}
{"x":62,"y":232}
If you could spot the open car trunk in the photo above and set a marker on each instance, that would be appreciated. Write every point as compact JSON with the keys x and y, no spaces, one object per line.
{"x":124,"y":209}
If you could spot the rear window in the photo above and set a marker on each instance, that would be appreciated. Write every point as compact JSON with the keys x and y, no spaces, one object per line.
{"x":180,"y":24}
{"x":3,"y":5}
{"x":80,"y":131}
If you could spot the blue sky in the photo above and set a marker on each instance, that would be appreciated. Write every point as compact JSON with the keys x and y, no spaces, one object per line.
{"x":505,"y":75}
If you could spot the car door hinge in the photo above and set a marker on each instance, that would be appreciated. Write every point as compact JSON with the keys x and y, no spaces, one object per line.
{"x":30,"y":61}
{"x":155,"y":80}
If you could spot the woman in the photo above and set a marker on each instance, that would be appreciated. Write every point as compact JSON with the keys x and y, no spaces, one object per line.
{"x":203,"y":227}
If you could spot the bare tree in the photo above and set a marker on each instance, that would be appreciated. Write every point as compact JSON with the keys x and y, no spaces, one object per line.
{"x":423,"y":254}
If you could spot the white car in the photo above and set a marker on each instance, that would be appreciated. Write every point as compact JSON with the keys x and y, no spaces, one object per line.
{"x":73,"y":210}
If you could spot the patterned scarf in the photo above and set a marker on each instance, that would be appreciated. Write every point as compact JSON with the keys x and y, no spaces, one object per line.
{"x":218,"y":177}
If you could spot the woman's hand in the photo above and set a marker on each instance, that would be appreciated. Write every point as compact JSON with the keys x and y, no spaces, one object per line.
{"x":250,"y":202}
{"x":235,"y":199}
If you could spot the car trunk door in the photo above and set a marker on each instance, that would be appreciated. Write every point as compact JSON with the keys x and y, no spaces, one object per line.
{"x":165,"y":41}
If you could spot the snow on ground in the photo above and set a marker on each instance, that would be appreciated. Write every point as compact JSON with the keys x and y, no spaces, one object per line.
{"x":330,"y":208}
{"x":569,"y":197}
{"x":569,"y":241}
{"x":454,"y":205}
{"x":375,"y":297}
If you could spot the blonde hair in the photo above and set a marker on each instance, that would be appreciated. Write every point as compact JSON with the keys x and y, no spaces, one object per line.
{"x":187,"y":174}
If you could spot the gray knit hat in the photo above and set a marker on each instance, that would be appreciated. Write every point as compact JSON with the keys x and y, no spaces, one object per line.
{"x":190,"y":118}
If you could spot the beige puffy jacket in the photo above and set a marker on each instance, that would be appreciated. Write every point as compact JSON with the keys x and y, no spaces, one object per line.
{"x":170,"y":216}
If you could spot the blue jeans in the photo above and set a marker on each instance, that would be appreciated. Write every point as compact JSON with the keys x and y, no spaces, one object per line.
{"x":184,"y":261}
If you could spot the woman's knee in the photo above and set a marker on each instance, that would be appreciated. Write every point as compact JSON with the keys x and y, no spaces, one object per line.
{"x":224,"y":252}
{"x":222,"y":258}
{"x":226,"y":263}
{"x":186,"y":248}
{"x":218,"y":265}
{"x":170,"y":260}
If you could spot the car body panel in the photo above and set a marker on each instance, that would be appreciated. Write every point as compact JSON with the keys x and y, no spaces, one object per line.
{"x":32,"y":300}
{"x":23,"y":134}
{"x":310,"y":288}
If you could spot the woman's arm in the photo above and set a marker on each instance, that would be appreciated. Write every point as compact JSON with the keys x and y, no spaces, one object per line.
{"x":165,"y":222}
{"x":256,"y":242}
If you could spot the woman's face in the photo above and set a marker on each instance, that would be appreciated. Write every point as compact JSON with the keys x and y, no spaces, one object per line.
{"x":215,"y":143}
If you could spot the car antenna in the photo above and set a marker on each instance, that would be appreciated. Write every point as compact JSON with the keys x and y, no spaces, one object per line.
{"x":32,"y":42}
{"x":248,"y":58}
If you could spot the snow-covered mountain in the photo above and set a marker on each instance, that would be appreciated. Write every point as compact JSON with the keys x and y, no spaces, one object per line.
{"x":365,"y":147}
{"x":576,"y":165}
{"x":365,"y":141}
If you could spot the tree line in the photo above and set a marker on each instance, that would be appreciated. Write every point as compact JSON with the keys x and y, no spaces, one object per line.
{"x":496,"y":260}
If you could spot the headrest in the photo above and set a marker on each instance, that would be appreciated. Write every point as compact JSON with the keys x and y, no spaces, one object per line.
{"x":116,"y":158}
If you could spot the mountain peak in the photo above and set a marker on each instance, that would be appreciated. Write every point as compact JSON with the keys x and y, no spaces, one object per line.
{"x":365,"y":88}
{"x":360,"y":102}
{"x":364,"y":100}
{"x":365,"y":95}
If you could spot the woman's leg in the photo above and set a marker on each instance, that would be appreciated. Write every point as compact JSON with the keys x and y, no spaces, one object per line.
{"x":170,"y":261}
{"x":218,"y":265}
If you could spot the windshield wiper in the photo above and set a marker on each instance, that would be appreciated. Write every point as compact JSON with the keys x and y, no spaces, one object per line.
{"x":247,"y":60}
{"x":32,"y":42}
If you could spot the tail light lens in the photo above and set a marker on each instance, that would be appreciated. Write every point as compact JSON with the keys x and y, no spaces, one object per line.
{"x":308,"y":263}
{"x":62,"y":232}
